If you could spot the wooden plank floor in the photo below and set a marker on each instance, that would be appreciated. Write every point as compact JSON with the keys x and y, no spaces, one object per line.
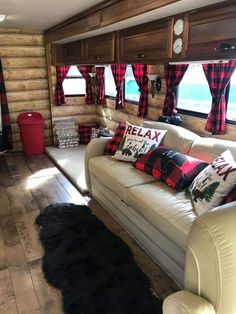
{"x":28,"y":185}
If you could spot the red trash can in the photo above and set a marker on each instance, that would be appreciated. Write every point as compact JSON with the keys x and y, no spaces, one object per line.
{"x":31,"y":130}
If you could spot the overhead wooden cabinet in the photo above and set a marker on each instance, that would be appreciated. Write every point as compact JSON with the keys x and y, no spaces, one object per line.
{"x":212,"y":34}
{"x":57,"y":54}
{"x":151,"y":42}
{"x":100,"y":49}
{"x":74,"y":53}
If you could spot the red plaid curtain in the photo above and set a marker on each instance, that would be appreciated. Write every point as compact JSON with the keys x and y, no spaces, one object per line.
{"x":173,"y":75}
{"x":6,"y":123}
{"x":140,"y":75}
{"x":118,"y":71}
{"x":59,"y":92}
{"x":100,"y":86}
{"x":218,"y":77}
{"x":85,"y":70}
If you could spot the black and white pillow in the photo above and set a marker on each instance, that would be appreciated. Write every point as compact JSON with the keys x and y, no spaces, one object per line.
{"x":138,"y":141}
{"x":214,"y":183}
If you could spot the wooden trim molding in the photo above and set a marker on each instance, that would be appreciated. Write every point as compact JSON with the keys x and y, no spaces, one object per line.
{"x":110,"y":12}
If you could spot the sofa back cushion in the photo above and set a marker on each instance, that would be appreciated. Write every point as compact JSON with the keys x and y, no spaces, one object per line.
{"x":208,"y":149}
{"x":176,"y":137}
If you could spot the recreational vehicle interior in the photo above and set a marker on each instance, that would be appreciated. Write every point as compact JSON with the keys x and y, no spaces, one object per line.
{"x":117,"y":156}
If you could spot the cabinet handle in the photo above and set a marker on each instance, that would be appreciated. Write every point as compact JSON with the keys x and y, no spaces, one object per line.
{"x":97,"y":58}
{"x":140,"y":56}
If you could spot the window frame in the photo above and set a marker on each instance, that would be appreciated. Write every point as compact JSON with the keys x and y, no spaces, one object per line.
{"x":202,"y":115}
{"x":133,"y":102}
{"x":72,"y":77}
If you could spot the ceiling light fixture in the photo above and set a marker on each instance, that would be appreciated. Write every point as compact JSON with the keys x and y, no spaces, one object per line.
{"x":2,"y":17}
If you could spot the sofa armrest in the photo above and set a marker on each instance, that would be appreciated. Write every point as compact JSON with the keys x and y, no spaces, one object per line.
{"x":185,"y":302}
{"x":93,"y":149}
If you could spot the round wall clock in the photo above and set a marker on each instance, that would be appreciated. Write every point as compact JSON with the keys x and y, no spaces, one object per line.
{"x":178,"y":27}
{"x":177,"y":46}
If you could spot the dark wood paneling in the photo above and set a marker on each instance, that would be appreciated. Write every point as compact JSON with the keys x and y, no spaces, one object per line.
{"x":74,"y":53}
{"x":57,"y":54}
{"x":147,"y":43}
{"x":111,"y":12}
{"x":212,"y":33}
{"x":100,"y":49}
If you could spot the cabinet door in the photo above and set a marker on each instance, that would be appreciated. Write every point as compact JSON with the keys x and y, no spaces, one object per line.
{"x":100,"y":49}
{"x":74,"y":53}
{"x":147,"y":43}
{"x":57,"y":54}
{"x":212,"y":34}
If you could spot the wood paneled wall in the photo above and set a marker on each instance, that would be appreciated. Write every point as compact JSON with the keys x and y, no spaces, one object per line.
{"x":109,"y":117}
{"x":25,"y":74}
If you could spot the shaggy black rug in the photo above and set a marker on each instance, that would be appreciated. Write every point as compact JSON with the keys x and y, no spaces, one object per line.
{"x":93,"y":268}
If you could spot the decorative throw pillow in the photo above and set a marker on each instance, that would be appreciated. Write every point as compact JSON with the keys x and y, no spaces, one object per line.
{"x":214,"y":183}
{"x":150,"y":163}
{"x":231,"y":197}
{"x":113,"y":144}
{"x":85,"y":133}
{"x":176,"y":169}
{"x":88,"y":132}
{"x":138,"y":140}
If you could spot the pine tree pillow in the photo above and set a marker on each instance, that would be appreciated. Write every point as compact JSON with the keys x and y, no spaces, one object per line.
{"x":138,"y":140}
{"x":214,"y":183}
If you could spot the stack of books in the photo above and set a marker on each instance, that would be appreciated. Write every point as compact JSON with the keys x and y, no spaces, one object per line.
{"x":66,"y":133}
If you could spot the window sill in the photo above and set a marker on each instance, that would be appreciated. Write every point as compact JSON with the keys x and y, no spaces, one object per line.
{"x":200,"y":115}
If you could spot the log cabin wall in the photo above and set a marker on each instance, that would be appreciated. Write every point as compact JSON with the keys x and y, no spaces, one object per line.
{"x":75,"y":108}
{"x":109,"y":117}
{"x":25,"y":74}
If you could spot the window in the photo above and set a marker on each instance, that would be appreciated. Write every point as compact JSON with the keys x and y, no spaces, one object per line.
{"x":194,"y":93}
{"x":231,"y":106}
{"x":110,"y":87}
{"x":131,"y":92}
{"x":131,"y":87}
{"x":74,"y":83}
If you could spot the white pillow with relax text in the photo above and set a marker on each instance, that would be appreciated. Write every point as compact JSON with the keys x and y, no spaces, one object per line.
{"x":138,"y":140}
{"x":213,"y":184}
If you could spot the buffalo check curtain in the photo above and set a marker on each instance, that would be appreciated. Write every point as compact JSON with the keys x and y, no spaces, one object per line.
{"x":85,"y":70}
{"x":140,"y":75}
{"x":218,"y":77}
{"x":118,"y":71}
{"x":173,"y":75}
{"x":61,"y":73}
{"x":6,"y":123}
{"x":100,"y":85}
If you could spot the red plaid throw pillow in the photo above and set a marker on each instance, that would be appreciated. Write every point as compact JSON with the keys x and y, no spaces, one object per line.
{"x":231,"y":197}
{"x":149,"y":164}
{"x":85,"y":132}
{"x":176,"y":169}
{"x":112,"y":146}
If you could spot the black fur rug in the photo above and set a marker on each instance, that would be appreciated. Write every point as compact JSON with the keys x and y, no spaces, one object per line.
{"x":92,"y":267}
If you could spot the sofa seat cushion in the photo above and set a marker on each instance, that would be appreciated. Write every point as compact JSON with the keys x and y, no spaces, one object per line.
{"x":117,"y":175}
{"x":170,"y":211}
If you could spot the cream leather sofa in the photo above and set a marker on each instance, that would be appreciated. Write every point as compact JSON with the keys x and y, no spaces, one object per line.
{"x":164,"y":223}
